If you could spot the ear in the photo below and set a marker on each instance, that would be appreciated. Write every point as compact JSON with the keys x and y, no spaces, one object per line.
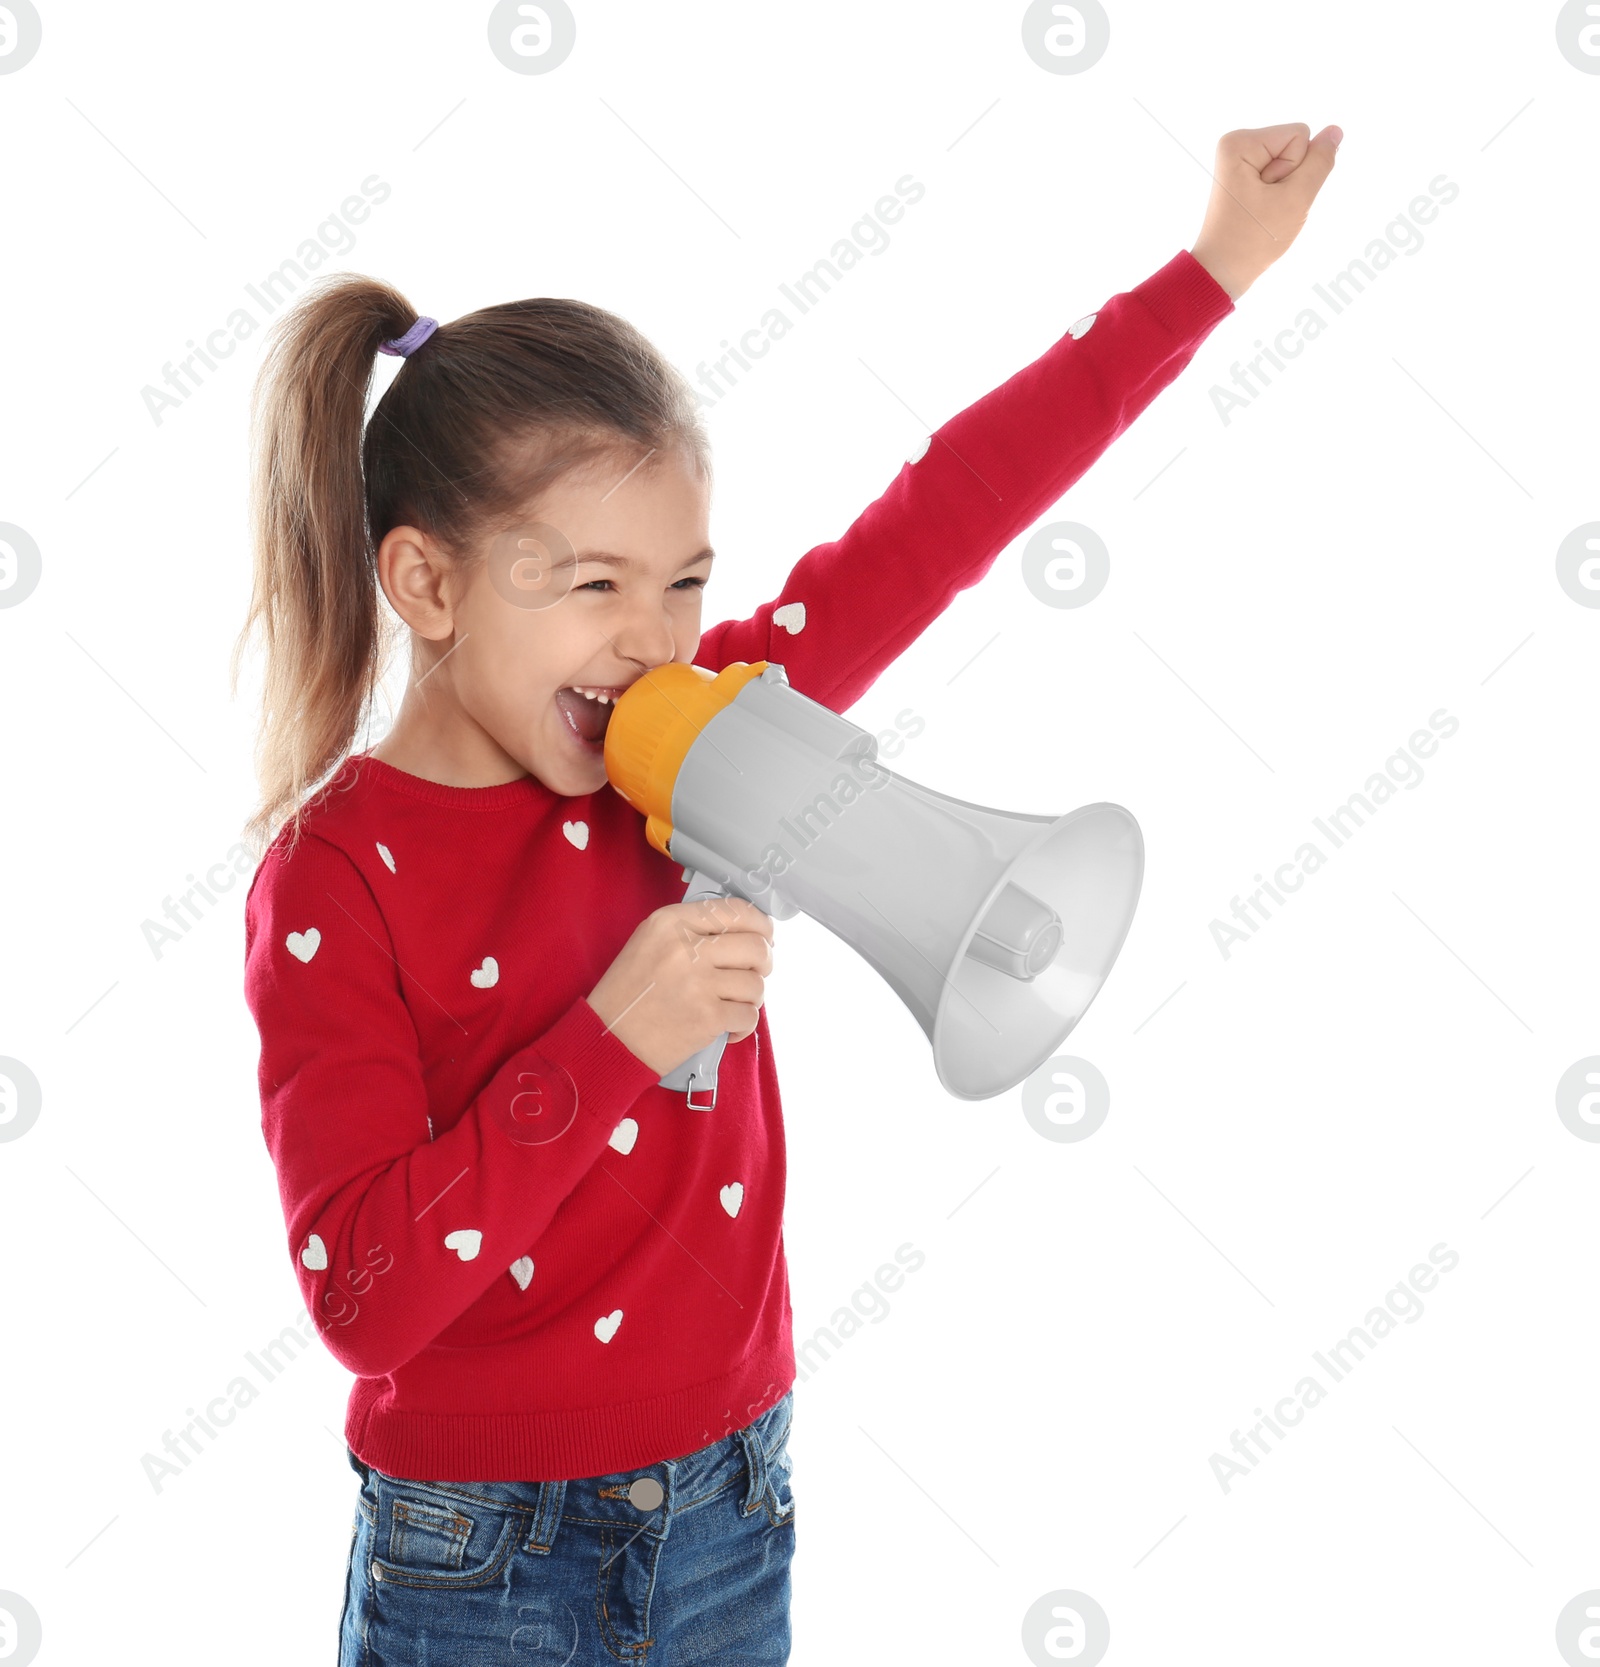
{"x":414,"y":572}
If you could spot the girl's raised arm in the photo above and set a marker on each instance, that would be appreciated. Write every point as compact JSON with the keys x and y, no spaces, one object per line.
{"x":849,"y":608}
{"x":395,"y":1234}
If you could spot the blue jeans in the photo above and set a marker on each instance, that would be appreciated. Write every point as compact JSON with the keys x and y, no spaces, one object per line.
{"x":682,"y":1561}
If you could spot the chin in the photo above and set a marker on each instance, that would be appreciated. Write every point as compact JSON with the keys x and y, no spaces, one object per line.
{"x":573,"y":780}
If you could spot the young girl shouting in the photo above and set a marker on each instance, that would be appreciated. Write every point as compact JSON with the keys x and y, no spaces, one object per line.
{"x":560,"y":1286}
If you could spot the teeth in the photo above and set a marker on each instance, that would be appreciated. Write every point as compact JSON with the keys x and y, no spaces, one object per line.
{"x":595,"y":694}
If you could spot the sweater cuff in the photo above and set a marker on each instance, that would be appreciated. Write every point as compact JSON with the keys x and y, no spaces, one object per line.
{"x":578,"y":1069}
{"x":1184,"y":297}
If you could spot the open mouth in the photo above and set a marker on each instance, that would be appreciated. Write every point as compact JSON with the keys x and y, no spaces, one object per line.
{"x":586,"y":710}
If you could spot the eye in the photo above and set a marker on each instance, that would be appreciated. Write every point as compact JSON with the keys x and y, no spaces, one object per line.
{"x":594,"y":584}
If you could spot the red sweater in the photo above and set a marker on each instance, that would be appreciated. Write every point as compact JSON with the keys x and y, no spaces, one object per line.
{"x":516,"y":1307}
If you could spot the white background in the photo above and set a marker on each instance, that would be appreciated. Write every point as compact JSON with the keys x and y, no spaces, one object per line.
{"x":1372,"y":540}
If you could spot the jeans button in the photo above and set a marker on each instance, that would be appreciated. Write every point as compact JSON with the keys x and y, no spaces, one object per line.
{"x":646,"y":1493}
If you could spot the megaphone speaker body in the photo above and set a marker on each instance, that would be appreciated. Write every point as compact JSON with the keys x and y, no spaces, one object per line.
{"x":995,"y":929}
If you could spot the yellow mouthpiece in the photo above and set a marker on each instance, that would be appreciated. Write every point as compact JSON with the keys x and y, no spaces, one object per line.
{"x":653,"y":727}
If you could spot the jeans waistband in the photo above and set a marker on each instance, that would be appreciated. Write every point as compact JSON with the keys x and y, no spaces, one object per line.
{"x":624,"y":1495}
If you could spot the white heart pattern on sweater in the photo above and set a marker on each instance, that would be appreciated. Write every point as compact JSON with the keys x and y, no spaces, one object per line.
{"x":388,"y":859}
{"x":1082,"y":327}
{"x":624,"y":1135}
{"x":303,"y":945}
{"x":522,"y":1271}
{"x":486,"y":976}
{"x":732,"y":1197}
{"x":578,"y":833}
{"x":315,"y":1254}
{"x":791,"y":616}
{"x":605,"y":1328}
{"x":920,"y":450}
{"x":465,"y":1242}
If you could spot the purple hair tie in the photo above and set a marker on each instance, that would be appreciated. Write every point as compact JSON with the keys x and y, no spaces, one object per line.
{"x":402,"y":347}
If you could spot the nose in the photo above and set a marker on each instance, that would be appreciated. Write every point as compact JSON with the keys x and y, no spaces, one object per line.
{"x":646,"y":635}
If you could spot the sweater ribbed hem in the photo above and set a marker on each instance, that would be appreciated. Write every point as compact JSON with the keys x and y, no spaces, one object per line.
{"x":1184,"y":297}
{"x":570,"y":1443}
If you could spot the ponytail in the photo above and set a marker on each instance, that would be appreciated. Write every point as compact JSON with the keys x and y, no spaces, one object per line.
{"x":481,"y":419}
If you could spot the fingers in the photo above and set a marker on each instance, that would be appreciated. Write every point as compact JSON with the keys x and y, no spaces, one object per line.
{"x":1273,"y":153}
{"x":1260,"y":145}
{"x":1284,"y":152}
{"x":1280,"y":167}
{"x":737,"y":985}
{"x":729,"y":932}
{"x":744,"y":916}
{"x":1278,"y":139}
{"x":740,"y":1016}
{"x":742,"y":1022}
{"x":712,"y":915}
{"x":1311,"y":174}
{"x":741,"y":950}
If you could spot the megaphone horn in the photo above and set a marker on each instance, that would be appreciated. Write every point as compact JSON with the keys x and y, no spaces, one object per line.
{"x":996,"y":929}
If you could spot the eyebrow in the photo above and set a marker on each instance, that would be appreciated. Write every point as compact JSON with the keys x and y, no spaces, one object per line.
{"x":610,"y":560}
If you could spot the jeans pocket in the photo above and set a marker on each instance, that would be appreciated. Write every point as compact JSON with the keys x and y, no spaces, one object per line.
{"x":428,"y":1537}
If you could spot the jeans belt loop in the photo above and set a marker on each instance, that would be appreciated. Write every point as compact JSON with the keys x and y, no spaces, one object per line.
{"x":755,"y":1456}
{"x":547,"y":1515}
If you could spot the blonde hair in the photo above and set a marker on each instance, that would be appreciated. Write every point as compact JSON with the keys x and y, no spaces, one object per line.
{"x":480,"y":420}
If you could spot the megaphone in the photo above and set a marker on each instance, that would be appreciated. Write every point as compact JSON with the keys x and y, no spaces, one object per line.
{"x":996,"y":930}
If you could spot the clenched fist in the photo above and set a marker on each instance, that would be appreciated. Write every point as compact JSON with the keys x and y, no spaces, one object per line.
{"x":1263,"y":185}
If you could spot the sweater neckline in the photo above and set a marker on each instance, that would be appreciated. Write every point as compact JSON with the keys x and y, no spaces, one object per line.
{"x":525,"y":790}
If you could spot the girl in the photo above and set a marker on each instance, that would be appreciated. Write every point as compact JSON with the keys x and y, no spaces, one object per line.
{"x":560,"y":1286}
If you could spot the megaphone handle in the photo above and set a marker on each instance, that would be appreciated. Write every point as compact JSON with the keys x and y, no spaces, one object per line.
{"x":699,"y":1072}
